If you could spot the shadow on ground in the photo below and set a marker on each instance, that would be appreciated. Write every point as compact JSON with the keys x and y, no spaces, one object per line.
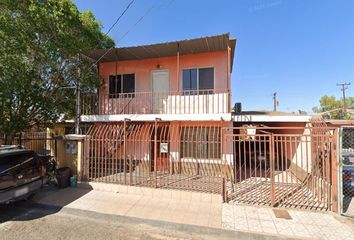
{"x":23,"y":210}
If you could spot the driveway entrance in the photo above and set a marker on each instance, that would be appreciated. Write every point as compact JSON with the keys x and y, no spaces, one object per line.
{"x":293,"y":167}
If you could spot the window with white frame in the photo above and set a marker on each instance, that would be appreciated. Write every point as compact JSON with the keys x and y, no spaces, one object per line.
{"x":122,"y":85}
{"x":198,"y":80}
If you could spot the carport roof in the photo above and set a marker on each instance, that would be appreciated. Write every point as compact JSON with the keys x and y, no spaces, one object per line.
{"x":188,"y":46}
{"x":269,"y":116}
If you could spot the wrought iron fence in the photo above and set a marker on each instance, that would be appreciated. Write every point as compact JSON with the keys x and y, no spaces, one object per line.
{"x":160,"y":155}
{"x":289,"y":167}
{"x":40,"y":142}
{"x":347,"y":171}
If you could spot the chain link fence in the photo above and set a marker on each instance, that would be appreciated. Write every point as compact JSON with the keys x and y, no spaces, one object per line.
{"x":347,"y":170}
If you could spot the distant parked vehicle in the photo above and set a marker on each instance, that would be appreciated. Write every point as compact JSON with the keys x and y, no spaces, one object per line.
{"x":21,"y":173}
{"x":348,"y":173}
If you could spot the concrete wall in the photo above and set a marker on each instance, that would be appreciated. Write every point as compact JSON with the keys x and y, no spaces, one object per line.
{"x":66,"y":151}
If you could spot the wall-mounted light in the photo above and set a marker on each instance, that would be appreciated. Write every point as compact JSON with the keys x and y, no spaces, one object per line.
{"x":158,"y":66}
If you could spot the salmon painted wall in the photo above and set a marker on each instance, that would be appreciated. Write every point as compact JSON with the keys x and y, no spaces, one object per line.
{"x":143,"y":70}
{"x":140,"y":144}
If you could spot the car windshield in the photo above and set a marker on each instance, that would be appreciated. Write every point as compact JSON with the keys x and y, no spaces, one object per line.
{"x":14,"y":160}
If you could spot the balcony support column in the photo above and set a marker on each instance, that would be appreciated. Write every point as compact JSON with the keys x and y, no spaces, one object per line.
{"x":177,"y":73}
{"x":228,"y":100}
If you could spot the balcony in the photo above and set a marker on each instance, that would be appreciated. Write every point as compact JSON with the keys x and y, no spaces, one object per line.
{"x":185,"y":102}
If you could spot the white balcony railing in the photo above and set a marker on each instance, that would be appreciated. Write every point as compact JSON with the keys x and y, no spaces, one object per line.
{"x":185,"y":102}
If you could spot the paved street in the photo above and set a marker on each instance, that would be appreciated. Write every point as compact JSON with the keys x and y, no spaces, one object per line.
{"x":37,"y":223}
{"x":77,"y":213}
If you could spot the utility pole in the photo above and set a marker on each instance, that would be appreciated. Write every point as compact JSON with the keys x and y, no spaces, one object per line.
{"x":344,"y":86}
{"x":275,"y":101}
{"x":78,"y":91}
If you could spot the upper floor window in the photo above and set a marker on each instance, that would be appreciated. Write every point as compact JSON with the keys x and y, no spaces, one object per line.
{"x":122,"y":85}
{"x":198,"y":80}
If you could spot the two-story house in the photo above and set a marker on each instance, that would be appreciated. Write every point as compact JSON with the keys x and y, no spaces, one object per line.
{"x":162,"y":118}
{"x":160,"y":109}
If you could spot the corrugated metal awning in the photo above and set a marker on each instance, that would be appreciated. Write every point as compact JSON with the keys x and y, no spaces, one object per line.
{"x":189,"y":46}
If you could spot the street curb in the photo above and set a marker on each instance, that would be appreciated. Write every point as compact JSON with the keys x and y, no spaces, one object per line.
{"x":220,"y":233}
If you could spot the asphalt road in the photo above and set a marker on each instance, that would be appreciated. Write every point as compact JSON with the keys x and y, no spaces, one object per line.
{"x":30,"y":220}
{"x":26,"y":220}
{"x":36,"y":223}
{"x":9,"y":211}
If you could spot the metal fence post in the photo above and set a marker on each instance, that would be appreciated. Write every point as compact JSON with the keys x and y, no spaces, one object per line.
{"x":223,"y":170}
{"x":223,"y":190}
{"x":155,"y":153}
{"x":334,"y":173}
{"x":125,"y":150}
{"x":272,"y":169}
{"x":340,"y":170}
{"x":20,"y":139}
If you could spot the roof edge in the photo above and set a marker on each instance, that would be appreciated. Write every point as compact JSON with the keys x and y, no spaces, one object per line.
{"x":185,"y":46}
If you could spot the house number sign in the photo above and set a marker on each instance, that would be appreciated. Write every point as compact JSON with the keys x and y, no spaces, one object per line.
{"x":163,"y":147}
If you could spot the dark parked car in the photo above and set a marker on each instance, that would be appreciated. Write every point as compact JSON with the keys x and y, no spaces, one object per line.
{"x":348,"y":173}
{"x":21,"y":173}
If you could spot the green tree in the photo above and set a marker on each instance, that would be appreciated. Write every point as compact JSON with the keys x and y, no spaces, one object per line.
{"x":39,"y":56}
{"x":333,"y":108}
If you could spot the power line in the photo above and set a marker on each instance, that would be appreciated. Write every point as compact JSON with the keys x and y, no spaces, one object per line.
{"x":78,"y":84}
{"x":121,"y":15}
{"x":113,"y":25}
{"x":344,"y":86}
{"x":108,"y":50}
{"x":125,"y":34}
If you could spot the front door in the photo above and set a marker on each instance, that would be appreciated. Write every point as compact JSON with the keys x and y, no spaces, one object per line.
{"x":160,"y":89}
{"x":162,"y":163}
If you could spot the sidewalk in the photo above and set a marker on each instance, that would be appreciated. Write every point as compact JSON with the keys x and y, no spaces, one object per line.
{"x":303,"y":224}
{"x":190,"y":209}
{"x":183,"y":210}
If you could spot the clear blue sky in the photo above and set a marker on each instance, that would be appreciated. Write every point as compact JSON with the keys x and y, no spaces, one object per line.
{"x":299,"y":49}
